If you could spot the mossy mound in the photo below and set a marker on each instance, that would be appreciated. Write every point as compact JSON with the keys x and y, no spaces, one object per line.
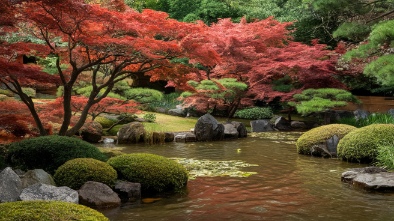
{"x":49,"y":152}
{"x":320,"y":135}
{"x":361,"y":145}
{"x":105,"y":122}
{"x":155,"y":173}
{"x":74,"y":173}
{"x":47,"y":211}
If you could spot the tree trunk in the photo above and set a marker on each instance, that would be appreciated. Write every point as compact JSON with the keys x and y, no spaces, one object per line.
{"x":67,"y":110}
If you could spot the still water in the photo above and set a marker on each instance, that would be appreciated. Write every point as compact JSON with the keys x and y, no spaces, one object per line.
{"x":287,"y":186}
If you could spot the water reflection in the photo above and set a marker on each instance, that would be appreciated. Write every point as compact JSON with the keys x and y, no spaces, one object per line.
{"x":287,"y":186}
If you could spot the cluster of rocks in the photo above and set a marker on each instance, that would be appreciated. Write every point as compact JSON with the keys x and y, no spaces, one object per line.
{"x":208,"y":128}
{"x":39,"y":185}
{"x":370,"y":179}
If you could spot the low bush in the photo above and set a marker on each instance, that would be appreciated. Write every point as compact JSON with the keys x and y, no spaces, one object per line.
{"x":385,"y":157}
{"x":320,"y":135}
{"x":254,"y":113}
{"x":47,"y":211}
{"x":76,"y":172}
{"x":150,"y":117}
{"x":361,"y":145}
{"x":143,"y":95}
{"x":49,"y":152}
{"x":155,"y":173}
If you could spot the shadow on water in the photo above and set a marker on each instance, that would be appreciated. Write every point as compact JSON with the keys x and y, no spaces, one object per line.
{"x":286,"y":186}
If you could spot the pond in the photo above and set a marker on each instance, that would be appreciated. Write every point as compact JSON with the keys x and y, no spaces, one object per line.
{"x":279,"y":185}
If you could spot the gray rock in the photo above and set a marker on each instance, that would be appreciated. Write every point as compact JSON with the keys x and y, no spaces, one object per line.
{"x":298,"y":125}
{"x":131,"y":133}
{"x":360,"y":114}
{"x":261,"y":125}
{"x":177,"y":112}
{"x":99,"y":195}
{"x":242,"y":132}
{"x":281,"y":123}
{"x":92,"y":132}
{"x":128,"y":191}
{"x":352,"y":173}
{"x":208,"y":128}
{"x":230,"y":131}
{"x":185,"y":137}
{"x":332,"y":144}
{"x":382,"y":182}
{"x":10,"y":185}
{"x":327,"y":149}
{"x":41,"y":191}
{"x":36,"y":176}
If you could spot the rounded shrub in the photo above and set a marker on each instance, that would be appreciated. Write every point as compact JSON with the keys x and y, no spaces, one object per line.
{"x":143,"y":95}
{"x":74,"y":173}
{"x":320,"y":135}
{"x":47,"y":211}
{"x":155,"y":173}
{"x":361,"y":145}
{"x":254,"y":113}
{"x":49,"y":152}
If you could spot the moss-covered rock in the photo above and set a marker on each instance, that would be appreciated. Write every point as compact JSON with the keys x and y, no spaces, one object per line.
{"x":49,"y":152}
{"x":47,"y":211}
{"x":361,"y":145}
{"x":105,"y":122}
{"x":320,"y":135}
{"x":74,"y":173}
{"x":155,"y":173}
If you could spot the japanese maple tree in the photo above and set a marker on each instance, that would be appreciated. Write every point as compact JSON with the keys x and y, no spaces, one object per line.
{"x":115,"y":41}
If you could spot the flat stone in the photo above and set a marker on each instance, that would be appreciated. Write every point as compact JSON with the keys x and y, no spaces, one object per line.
{"x":99,"y":195}
{"x":41,"y":191}
{"x":382,"y":182}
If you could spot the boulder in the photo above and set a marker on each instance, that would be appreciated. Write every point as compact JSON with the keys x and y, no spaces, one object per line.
{"x":327,"y":149}
{"x":261,"y":125}
{"x":360,"y":114}
{"x":98,"y":195}
{"x":280,"y":123}
{"x":185,"y":137}
{"x":230,"y":131}
{"x":10,"y":186}
{"x":169,"y":137}
{"x":177,"y":112}
{"x":36,"y":176}
{"x":41,"y":191}
{"x":131,"y":133}
{"x":242,"y":132}
{"x":208,"y":128}
{"x":370,"y":179}
{"x":297,"y":124}
{"x":128,"y":191}
{"x":91,"y":132}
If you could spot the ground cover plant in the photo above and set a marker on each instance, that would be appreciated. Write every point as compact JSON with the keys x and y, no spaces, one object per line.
{"x":47,"y":211}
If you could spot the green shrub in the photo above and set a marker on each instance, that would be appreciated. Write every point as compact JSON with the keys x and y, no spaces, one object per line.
{"x":361,"y":145}
{"x":169,"y":101}
{"x":47,"y":211}
{"x":254,"y":113}
{"x":105,"y":122}
{"x":150,"y":117}
{"x":385,"y":157}
{"x":76,"y":172}
{"x":143,"y":95}
{"x":2,"y":156}
{"x":49,"y":152}
{"x":320,"y":135}
{"x":155,"y":173}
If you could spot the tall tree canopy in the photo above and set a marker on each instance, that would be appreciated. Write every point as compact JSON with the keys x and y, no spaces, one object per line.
{"x":115,"y":41}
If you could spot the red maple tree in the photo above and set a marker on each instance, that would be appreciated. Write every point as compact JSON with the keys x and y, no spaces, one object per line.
{"x":116,"y":41}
